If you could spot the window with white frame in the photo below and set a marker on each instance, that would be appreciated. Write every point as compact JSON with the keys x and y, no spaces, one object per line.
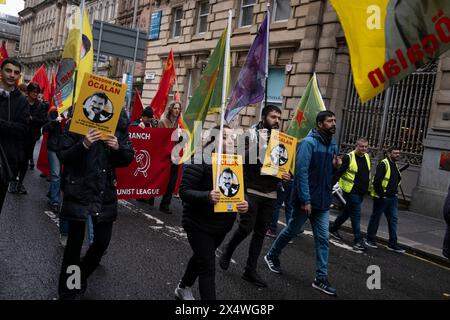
{"x":177,"y":14}
{"x":281,"y":10}
{"x":246,"y":13}
{"x":202,"y":23}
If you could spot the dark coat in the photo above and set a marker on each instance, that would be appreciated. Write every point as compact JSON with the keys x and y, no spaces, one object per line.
{"x":198,"y":212}
{"x":447,"y":208}
{"x":88,"y":179}
{"x":38,"y":119}
{"x":14,"y":119}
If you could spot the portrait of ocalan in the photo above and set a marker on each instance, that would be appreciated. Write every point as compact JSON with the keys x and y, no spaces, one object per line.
{"x":98,"y":108}
{"x":228,"y":183}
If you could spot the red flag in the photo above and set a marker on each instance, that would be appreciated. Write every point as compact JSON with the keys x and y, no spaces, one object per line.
{"x":42,"y":162}
{"x":167,"y":80}
{"x":3,"y":52}
{"x":40,"y":77}
{"x":52,"y":90}
{"x":148,"y":175}
{"x":138,"y":107}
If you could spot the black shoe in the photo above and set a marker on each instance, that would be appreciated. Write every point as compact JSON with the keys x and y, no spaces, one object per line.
{"x":359,"y":247}
{"x":12,"y":188}
{"x":335,"y":234}
{"x":273,"y":264}
{"x":370,"y":244}
{"x":42,"y":175}
{"x":395,"y":248}
{"x":165,"y":210}
{"x":324,"y":286}
{"x":31,"y":166}
{"x":224,"y":261}
{"x":55,"y":208}
{"x":253,"y":277}
{"x":21,"y":189}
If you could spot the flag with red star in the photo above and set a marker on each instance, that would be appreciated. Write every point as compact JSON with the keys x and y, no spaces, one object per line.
{"x":310,"y":105}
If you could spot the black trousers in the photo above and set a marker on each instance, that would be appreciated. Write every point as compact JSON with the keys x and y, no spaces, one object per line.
{"x":165,"y":202}
{"x":258,"y":220}
{"x":23,"y":166}
{"x":203,"y":262}
{"x":3,"y":191}
{"x":446,"y":245}
{"x":72,"y":252}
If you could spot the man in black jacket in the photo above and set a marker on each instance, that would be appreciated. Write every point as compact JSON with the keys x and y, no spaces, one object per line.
{"x":38,"y":117}
{"x":89,"y":186}
{"x":14,"y":117}
{"x":446,"y":245}
{"x":262,"y":193}
{"x":384,"y":192}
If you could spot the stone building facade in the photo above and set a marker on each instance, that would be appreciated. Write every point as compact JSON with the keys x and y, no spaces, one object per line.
{"x":10,"y":34}
{"x":44,"y":30}
{"x":306,"y":37}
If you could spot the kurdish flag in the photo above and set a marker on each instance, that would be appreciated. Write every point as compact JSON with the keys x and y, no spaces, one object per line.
{"x":390,"y":39}
{"x":207,"y":96}
{"x":309,"y":106}
{"x":78,"y":54}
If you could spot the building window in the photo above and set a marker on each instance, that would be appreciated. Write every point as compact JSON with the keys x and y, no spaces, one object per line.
{"x":202,"y":23}
{"x":281,"y":10}
{"x":275,"y":86}
{"x":177,"y":17}
{"x":17,"y":46}
{"x":246,"y":14}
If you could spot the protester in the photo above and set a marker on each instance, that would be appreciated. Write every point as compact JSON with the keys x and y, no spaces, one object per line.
{"x":262,"y":193}
{"x":354,"y":180}
{"x":89,"y":188}
{"x":311,"y":197}
{"x":38,"y":118}
{"x":14,"y":118}
{"x":384,"y":192}
{"x":205,"y":228}
{"x":169,"y":119}
{"x":446,"y":245}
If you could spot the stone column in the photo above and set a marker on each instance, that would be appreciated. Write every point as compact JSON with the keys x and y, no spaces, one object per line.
{"x":62,"y":20}
{"x":429,"y":195}
{"x":56,"y":27}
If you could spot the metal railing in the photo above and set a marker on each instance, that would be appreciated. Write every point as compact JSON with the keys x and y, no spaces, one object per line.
{"x":406,"y":108}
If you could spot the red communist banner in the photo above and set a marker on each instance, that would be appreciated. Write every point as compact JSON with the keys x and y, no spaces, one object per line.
{"x":148,"y":175}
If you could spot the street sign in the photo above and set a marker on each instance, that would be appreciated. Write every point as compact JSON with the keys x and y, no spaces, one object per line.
{"x":130,"y":84}
{"x":118,"y":41}
{"x":155,"y":26}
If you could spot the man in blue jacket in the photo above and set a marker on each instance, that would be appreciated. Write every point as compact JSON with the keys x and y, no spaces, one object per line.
{"x":311,"y":197}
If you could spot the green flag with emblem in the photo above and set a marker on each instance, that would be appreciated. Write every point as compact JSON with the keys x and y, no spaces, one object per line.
{"x":304,"y":119}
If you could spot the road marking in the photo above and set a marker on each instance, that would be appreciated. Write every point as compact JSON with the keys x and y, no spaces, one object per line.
{"x":333,"y":242}
{"x":426,"y":260}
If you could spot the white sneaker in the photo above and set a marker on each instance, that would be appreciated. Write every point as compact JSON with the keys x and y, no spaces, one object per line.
{"x":63,"y":240}
{"x":184,"y":293}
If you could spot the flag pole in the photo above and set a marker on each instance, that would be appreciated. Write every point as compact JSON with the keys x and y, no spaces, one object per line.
{"x":224,"y":98}
{"x":267,"y":59}
{"x":79,"y":54}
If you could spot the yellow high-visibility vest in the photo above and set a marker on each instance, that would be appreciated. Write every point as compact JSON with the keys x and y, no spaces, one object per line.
{"x":347,"y":181}
{"x":386,"y":178}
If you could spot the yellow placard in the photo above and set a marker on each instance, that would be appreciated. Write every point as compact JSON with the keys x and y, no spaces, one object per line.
{"x":231,"y":182}
{"x":279,"y":154}
{"x":99,"y":105}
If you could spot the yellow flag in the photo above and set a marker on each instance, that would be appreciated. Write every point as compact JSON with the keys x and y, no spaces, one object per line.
{"x":77,"y":55}
{"x":2,"y":1}
{"x":389,"y":39}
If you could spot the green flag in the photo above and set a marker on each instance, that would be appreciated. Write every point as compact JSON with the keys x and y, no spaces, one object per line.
{"x":310,"y":105}
{"x":207,"y":96}
{"x":304,"y":118}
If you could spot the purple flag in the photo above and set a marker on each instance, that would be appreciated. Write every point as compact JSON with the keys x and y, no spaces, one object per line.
{"x":250,"y":86}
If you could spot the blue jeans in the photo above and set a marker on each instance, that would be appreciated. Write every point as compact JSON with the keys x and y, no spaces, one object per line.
{"x":319,"y":221}
{"x":64,"y":229}
{"x":283,"y":196}
{"x":352,"y":209}
{"x":388,"y":206}
{"x":55,"y":178}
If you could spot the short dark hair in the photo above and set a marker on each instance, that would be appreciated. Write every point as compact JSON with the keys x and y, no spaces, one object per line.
{"x":323,"y":115}
{"x":32,"y":87}
{"x":14,"y":62}
{"x":392,"y":148}
{"x":227,"y":170}
{"x":268,"y":109}
{"x":362,"y":139}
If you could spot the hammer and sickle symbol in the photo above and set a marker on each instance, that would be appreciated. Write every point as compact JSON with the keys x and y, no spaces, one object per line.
{"x":143,"y":160}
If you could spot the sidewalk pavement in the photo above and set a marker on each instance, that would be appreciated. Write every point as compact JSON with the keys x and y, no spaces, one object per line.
{"x":417,"y":233}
